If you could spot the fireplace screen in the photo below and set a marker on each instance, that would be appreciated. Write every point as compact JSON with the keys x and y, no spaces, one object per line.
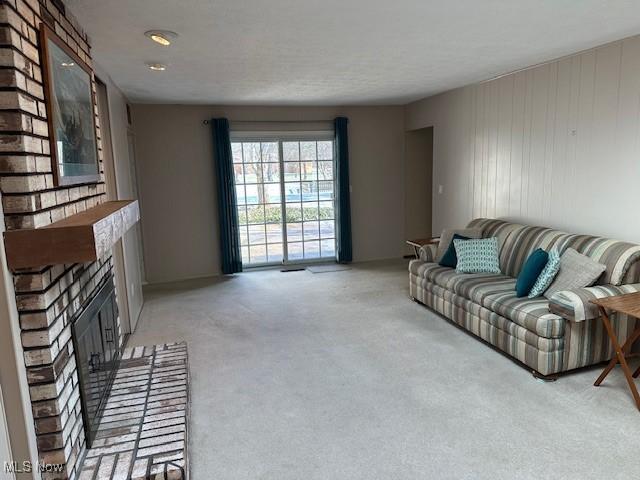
{"x":95,"y":337}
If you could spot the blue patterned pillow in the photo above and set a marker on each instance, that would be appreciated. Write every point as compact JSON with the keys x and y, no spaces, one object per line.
{"x":547,"y":275}
{"x":477,"y":255}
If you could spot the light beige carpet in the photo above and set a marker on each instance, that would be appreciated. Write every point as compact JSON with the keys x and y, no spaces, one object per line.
{"x":340,"y":376}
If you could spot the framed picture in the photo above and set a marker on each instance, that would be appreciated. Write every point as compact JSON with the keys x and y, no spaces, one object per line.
{"x":70,"y":112}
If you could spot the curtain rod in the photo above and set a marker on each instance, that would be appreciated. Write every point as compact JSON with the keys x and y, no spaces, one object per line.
{"x":207,"y":122}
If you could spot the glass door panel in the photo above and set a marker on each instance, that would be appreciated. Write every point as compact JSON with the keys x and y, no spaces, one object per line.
{"x":285,"y":194}
{"x":258,"y":192}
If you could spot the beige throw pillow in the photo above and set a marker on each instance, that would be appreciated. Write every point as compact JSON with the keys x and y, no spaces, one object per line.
{"x":447,"y":236}
{"x":576,"y":271}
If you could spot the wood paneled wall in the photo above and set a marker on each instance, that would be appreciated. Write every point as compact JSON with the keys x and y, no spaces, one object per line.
{"x":557,"y":144}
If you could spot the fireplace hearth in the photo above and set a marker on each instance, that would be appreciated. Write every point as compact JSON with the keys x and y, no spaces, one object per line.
{"x":95,"y":340}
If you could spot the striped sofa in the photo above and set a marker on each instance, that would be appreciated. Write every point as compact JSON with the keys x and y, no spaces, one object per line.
{"x":549,"y":336}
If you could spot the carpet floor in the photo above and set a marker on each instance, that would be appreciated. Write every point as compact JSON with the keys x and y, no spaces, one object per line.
{"x":342,"y":376}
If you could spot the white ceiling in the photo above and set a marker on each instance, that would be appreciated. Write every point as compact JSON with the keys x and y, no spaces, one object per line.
{"x":336,"y":52}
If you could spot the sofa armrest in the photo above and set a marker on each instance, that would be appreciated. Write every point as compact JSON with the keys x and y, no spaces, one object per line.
{"x":428,"y":252}
{"x":575,"y":305}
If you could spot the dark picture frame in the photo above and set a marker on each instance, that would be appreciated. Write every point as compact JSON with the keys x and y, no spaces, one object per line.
{"x":70,"y":112}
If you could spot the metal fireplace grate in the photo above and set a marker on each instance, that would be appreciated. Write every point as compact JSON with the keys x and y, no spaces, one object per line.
{"x":97,"y":350}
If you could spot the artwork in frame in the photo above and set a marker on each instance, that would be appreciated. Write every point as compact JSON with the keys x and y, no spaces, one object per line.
{"x":70,"y":112}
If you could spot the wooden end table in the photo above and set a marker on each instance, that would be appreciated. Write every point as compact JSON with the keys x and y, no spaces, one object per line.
{"x":420,"y":242}
{"x":628,"y":304}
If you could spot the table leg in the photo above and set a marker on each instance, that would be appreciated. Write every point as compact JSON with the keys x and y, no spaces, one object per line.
{"x":620,"y":357}
{"x":614,"y":361}
{"x":416,"y":251}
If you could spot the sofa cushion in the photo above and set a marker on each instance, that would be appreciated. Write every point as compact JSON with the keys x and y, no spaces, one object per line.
{"x":478,"y":255}
{"x":576,"y":271}
{"x":547,"y":275}
{"x":494,"y":290}
{"x":576,"y":304}
{"x":532,"y":314}
{"x":530,"y":272}
{"x":498,"y":321}
{"x":423,"y":269}
{"x":447,"y":236}
{"x":473,"y":286}
{"x":450,"y":258}
{"x":524,"y":242}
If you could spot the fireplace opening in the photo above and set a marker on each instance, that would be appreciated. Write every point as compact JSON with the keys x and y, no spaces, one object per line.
{"x":97,"y":351}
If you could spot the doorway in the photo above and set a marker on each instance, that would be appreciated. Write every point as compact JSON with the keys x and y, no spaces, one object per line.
{"x":418,"y":184}
{"x":285,"y":192}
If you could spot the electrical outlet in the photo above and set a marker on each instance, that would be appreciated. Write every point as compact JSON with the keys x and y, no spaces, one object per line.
{"x":440,"y":189}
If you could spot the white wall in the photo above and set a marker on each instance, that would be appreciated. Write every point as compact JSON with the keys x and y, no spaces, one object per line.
{"x":557,"y":145}
{"x":176,"y":179}
{"x":16,"y":404}
{"x":125,"y":180}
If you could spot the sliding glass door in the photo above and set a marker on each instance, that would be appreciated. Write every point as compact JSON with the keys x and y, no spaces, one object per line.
{"x":286,"y":200}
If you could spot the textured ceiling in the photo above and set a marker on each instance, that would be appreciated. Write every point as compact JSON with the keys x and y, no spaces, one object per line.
{"x":332,"y":52}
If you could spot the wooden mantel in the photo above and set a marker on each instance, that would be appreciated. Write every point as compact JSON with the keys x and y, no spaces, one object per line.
{"x":80,"y":238}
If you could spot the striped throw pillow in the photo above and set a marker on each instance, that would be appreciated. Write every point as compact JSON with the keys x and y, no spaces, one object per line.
{"x":477,"y":255}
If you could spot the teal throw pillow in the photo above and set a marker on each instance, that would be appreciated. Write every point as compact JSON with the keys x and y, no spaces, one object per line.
{"x":450,"y":259}
{"x":530,"y":272}
{"x":547,"y":275}
{"x":477,"y":255}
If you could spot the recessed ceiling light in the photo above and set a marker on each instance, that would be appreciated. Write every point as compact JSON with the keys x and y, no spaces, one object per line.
{"x":162,"y":37}
{"x":157,"y":67}
{"x":67,"y":64}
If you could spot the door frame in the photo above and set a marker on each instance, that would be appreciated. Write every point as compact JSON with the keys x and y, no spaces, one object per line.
{"x":108,"y":162}
{"x":282,"y":137}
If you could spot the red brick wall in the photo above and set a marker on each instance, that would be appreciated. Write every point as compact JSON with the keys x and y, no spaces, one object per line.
{"x":48,"y":298}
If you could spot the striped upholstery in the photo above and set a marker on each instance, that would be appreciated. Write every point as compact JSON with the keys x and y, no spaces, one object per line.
{"x":587,"y":343}
{"x":583,"y":343}
{"x":478,"y":287}
{"x":549,"y":337}
{"x":428,"y":253}
{"x":530,"y":313}
{"x":423,"y":269}
{"x":543,"y":355}
{"x":633,"y":274}
{"x":470,"y":285}
{"x":617,"y":256}
{"x":496,"y":228}
{"x":504,"y":324}
{"x":497,"y":293}
{"x":576,"y":304}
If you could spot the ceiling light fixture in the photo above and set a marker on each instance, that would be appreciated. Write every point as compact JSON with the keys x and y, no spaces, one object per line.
{"x":67,"y":64}
{"x":157,"y":67}
{"x":161,"y":37}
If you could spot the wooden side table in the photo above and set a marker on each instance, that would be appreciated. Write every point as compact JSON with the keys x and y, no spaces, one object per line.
{"x":628,"y":304}
{"x":419,"y":242}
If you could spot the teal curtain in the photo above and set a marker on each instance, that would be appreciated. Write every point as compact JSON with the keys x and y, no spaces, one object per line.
{"x":227,"y":203}
{"x":343,"y":190}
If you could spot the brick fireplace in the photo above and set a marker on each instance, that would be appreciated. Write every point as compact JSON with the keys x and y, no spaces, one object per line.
{"x":47,"y":298}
